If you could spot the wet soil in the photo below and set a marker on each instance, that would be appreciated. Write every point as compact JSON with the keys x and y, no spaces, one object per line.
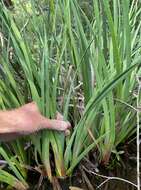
{"x":86,"y":176}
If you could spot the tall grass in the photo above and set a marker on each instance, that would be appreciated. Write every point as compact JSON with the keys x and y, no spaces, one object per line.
{"x":83,"y":66}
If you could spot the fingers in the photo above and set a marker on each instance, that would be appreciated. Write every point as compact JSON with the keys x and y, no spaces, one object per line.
{"x":56,"y":125}
{"x":59,"y":116}
{"x":60,"y":125}
{"x":41,"y":122}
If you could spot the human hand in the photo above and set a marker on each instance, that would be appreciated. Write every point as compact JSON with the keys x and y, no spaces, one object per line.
{"x":27,"y":119}
{"x":33,"y":121}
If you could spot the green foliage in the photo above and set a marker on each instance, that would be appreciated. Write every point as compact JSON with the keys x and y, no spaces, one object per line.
{"x":81,"y":64}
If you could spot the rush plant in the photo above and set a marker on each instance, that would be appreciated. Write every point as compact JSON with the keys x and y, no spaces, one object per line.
{"x":83,"y":66}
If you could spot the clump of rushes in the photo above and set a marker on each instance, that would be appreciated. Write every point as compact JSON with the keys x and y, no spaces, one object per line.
{"x":82,"y":66}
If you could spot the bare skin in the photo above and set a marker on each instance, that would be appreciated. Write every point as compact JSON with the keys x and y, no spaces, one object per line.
{"x":26,"y":120}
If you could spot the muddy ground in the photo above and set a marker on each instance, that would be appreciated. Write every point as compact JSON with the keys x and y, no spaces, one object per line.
{"x":86,"y":178}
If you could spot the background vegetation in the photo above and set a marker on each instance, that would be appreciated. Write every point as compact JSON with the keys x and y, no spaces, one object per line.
{"x":80,"y":58}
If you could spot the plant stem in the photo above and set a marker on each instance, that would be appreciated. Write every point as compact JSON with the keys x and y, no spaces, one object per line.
{"x":138,"y":133}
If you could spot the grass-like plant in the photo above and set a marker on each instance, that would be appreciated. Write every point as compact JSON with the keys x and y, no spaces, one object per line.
{"x":83,"y":66}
